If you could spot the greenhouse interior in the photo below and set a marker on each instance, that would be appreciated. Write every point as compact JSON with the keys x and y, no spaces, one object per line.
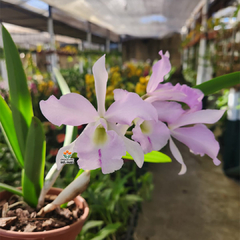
{"x":120,"y":119}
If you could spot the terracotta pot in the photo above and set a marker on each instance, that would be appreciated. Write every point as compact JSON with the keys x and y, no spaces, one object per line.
{"x":65,"y":233}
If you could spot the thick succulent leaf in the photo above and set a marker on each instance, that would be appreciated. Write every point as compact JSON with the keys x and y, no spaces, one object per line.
{"x":153,"y":157}
{"x":34,"y":161}
{"x":21,"y":104}
{"x":218,"y":83}
{"x":7,"y":127}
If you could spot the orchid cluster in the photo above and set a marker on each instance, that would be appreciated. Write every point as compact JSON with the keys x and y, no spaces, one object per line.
{"x":163,"y":113}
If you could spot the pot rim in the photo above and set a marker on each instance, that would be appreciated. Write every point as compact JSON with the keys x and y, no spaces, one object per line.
{"x":61,"y":230}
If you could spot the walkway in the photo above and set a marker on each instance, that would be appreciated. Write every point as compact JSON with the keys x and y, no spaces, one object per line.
{"x":203,"y":204}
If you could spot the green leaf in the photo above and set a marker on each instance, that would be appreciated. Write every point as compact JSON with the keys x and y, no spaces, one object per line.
{"x":109,"y":229}
{"x":33,"y":173}
{"x":218,"y":83}
{"x":11,"y":189}
{"x":79,"y":173}
{"x":21,"y":104}
{"x":153,"y":157}
{"x":91,"y":224}
{"x":61,"y":82}
{"x":65,"y":90}
{"x":133,"y":198}
{"x":7,"y":126}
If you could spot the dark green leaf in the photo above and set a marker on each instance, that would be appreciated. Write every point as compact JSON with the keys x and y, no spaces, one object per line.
{"x":218,"y":83}
{"x":153,"y":157}
{"x":21,"y":104}
{"x":33,"y":173}
{"x":7,"y":126}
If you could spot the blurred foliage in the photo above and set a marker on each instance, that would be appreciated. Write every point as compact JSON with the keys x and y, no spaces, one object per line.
{"x":190,"y":75}
{"x":8,"y":165}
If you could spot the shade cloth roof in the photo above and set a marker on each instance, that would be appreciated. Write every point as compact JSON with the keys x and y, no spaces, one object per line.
{"x":140,"y":18}
{"x":19,"y":13}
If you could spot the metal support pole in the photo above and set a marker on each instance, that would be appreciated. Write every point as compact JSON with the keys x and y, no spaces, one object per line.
{"x":80,"y":63}
{"x":184,"y":58}
{"x":233,"y":112}
{"x":238,"y":20}
{"x":89,"y":41}
{"x":108,"y":42}
{"x":203,"y":73}
{"x":191,"y":52}
{"x":107,"y":45}
{"x":52,"y":56}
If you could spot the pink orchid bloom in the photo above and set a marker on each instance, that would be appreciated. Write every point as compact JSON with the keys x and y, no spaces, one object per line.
{"x":162,"y":92}
{"x":153,"y":136}
{"x":198,"y":138}
{"x":100,"y":144}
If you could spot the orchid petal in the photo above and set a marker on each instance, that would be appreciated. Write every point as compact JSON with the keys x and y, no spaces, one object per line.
{"x":119,"y":94}
{"x":203,"y":116}
{"x":129,"y":107}
{"x":93,"y":154}
{"x":135,"y":150}
{"x":159,"y":70}
{"x":71,"y":109}
{"x":199,"y":139}
{"x":182,"y":93}
{"x":60,"y":154}
{"x":151,"y":135}
{"x":168,"y":111}
{"x":177,"y":155}
{"x":100,"y":76}
{"x":122,"y":128}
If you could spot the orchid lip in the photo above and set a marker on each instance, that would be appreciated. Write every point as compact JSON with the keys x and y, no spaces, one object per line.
{"x":146,"y":128}
{"x":100,"y":137}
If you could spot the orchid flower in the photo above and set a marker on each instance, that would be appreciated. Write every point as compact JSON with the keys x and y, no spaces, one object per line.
{"x":152,"y":135}
{"x":155,"y":135}
{"x":100,"y":144}
{"x":198,"y":138}
{"x":162,"y":92}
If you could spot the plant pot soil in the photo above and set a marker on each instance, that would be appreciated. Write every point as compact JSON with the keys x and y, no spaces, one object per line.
{"x":68,"y":232}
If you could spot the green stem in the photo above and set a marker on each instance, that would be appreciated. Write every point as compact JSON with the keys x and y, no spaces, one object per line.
{"x":11,"y":189}
{"x":129,"y":133}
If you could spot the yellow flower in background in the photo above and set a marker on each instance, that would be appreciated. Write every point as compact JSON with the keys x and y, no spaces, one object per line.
{"x":110,"y":90}
{"x":140,"y":88}
{"x":131,"y":69}
{"x":142,"y":80}
{"x":50,"y":83}
{"x":114,"y":69}
{"x":147,"y":78}
{"x":74,"y":90}
{"x":139,"y":72}
{"x":89,"y":79}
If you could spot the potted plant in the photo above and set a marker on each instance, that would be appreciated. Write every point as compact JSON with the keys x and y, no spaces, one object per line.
{"x":151,"y":121}
{"x":25,"y":136}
